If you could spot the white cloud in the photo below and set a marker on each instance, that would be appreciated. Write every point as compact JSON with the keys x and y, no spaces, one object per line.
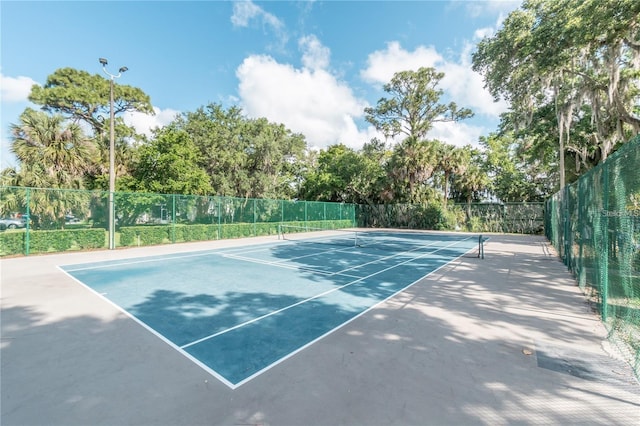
{"x":466,"y":87}
{"x":491,"y":7}
{"x":15,"y":89}
{"x":146,"y":123}
{"x":481,"y":33}
{"x":246,"y":12}
{"x":315,"y":56}
{"x":458,"y":134}
{"x":308,"y":100}
{"x":383,"y":64}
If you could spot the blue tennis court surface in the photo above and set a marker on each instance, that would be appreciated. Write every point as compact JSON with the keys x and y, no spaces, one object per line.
{"x":237,"y":312}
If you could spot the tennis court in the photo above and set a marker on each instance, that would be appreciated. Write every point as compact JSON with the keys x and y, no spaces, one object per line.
{"x":341,"y":333}
{"x":237,"y":312}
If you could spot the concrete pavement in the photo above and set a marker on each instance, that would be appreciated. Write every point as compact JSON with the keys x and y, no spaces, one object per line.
{"x":505,"y":340}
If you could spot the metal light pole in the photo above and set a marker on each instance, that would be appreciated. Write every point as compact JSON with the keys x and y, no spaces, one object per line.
{"x":112,"y":154}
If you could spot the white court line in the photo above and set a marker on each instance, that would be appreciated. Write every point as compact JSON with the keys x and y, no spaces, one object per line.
{"x":151,"y":330}
{"x":133,"y":262}
{"x":195,"y":342}
{"x":283,"y":263}
{"x":317,"y":339}
{"x":146,"y":259}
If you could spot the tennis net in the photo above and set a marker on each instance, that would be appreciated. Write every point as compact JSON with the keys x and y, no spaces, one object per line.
{"x":306,"y":234}
{"x":381,"y":240}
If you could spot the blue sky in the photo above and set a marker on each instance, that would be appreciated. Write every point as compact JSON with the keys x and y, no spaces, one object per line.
{"x":312,"y":65}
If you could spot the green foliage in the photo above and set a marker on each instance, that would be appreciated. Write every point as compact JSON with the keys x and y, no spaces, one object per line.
{"x":11,"y":243}
{"x":335,"y":176}
{"x":410,"y":167}
{"x":248,"y":158}
{"x":185,"y":233}
{"x":169,"y":164}
{"x":435,"y":216}
{"x":131,"y":206}
{"x":52,"y":241}
{"x":569,"y":69}
{"x":79,"y":95}
{"x":476,"y":217}
{"x":51,"y":153}
{"x":145,"y":235}
{"x":163,"y":234}
{"x":515,"y":175}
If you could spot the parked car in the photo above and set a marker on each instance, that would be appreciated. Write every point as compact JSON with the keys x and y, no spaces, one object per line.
{"x":12,"y":223}
{"x":70,"y":219}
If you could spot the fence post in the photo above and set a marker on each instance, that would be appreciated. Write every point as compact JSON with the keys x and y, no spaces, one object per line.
{"x":604,"y":252}
{"x":353,"y":215}
{"x":219,"y":218}
{"x":565,"y":226}
{"x":28,"y":228}
{"x":173,"y":219}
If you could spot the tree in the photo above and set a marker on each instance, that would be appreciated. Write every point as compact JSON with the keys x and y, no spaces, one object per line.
{"x":83,"y":97}
{"x":330,"y":180}
{"x":451,"y":160}
{"x":369,"y":182}
{"x":271,"y":151}
{"x":168,"y":165}
{"x":51,"y":153}
{"x":516,"y":173}
{"x":411,"y":165}
{"x":471,"y":184}
{"x":244,"y":157}
{"x":413,"y":106}
{"x":579,"y":57}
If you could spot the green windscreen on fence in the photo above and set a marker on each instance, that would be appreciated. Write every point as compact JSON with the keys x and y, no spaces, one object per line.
{"x":519,"y":218}
{"x":594,"y":224}
{"x":52,"y":220}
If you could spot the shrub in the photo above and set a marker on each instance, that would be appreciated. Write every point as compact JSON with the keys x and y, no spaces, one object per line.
{"x":11,"y":243}
{"x":145,"y":235}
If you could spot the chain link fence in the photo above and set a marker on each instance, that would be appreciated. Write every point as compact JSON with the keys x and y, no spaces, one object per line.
{"x":594,"y":225}
{"x":520,"y":218}
{"x":36,"y":220}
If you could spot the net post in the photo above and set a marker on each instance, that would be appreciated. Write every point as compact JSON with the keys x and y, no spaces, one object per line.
{"x":279,"y":231}
{"x":480,"y":247}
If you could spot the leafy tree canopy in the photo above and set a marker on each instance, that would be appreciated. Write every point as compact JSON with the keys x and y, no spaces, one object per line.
{"x":168,"y":164}
{"x":81,"y":96}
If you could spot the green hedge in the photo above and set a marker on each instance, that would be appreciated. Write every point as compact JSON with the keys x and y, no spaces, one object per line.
{"x":185,"y":233}
{"x":52,"y":241}
{"x":12,"y":243}
{"x":144,"y":235}
{"x":164,"y":234}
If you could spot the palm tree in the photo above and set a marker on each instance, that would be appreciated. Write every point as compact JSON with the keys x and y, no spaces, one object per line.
{"x":52,"y":155}
{"x":50,"y":152}
{"x":471,"y":183}
{"x":451,"y":160}
{"x":411,"y":165}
